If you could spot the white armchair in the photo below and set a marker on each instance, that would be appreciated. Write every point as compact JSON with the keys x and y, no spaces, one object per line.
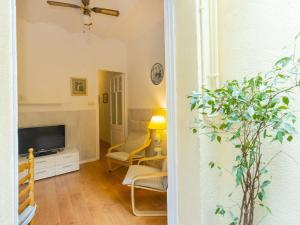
{"x":131,"y":150}
{"x":148,"y":178}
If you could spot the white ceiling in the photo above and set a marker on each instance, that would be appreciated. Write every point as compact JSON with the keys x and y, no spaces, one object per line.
{"x":136,"y":16}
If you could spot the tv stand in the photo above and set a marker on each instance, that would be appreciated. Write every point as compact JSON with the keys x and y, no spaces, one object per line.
{"x":44,"y":153}
{"x":55,"y":164}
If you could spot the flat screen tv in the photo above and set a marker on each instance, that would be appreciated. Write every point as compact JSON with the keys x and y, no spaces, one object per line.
{"x":42,"y":139}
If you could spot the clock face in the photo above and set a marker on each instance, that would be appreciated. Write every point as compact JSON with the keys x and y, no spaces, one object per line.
{"x":157,"y":73}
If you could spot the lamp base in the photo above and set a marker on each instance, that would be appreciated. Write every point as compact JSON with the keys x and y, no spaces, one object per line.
{"x":158,"y":150}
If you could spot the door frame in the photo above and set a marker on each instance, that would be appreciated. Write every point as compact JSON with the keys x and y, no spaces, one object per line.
{"x":9,"y":114}
{"x":125,"y":113}
{"x":170,"y":64}
{"x":170,"y":57}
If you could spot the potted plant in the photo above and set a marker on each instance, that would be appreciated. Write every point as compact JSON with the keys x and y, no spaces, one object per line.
{"x":248,"y":113}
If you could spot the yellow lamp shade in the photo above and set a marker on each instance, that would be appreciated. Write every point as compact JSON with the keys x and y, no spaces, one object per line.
{"x":157,"y":123}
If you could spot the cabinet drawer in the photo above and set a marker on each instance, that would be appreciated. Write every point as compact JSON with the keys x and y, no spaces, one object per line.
{"x":44,"y":173}
{"x":67,"y":158}
{"x":66,"y":168}
{"x":44,"y":162}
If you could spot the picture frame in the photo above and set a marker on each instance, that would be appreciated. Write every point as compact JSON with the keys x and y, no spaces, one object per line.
{"x":105,"y":98}
{"x":78,"y":86}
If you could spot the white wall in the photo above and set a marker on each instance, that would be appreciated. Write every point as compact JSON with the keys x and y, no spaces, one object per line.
{"x":142,"y":54}
{"x":48,"y":56}
{"x":252,"y":36}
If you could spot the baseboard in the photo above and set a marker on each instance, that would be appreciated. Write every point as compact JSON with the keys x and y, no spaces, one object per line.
{"x":88,"y":160}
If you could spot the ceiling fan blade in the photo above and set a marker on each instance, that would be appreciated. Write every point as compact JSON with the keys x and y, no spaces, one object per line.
{"x":85,"y":2}
{"x":63,"y":4}
{"x":109,"y":12}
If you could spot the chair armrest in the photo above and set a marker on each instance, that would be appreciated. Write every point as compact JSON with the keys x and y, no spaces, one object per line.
{"x":153,"y":158}
{"x":139,"y":149}
{"x":112,"y":148}
{"x":149,"y":176}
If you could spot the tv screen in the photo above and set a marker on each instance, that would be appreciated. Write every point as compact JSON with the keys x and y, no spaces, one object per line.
{"x":41,"y":138}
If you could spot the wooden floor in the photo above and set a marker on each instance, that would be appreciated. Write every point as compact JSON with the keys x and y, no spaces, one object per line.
{"x":93,"y":196}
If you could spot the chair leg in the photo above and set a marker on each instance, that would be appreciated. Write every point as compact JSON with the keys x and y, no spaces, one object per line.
{"x":137,"y":212}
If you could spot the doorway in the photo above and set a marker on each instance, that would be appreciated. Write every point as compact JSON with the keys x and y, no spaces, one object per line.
{"x":169,"y":109}
{"x":112,"y":105}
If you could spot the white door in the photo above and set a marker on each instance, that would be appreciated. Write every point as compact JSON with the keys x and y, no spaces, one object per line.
{"x":117,"y":107}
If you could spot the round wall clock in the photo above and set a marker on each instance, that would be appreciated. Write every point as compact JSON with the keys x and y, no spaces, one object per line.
{"x":157,"y":73}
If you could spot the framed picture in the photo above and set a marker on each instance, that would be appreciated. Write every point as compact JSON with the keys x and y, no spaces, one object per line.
{"x":105,"y":97}
{"x":78,"y":86}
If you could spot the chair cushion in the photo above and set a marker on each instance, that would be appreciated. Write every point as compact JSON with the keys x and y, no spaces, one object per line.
{"x":121,"y":156}
{"x":26,"y":216}
{"x":134,"y":140}
{"x":141,"y":170}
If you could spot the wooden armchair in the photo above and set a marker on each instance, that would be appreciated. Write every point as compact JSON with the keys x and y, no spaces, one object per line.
{"x":131,"y":150}
{"x":147,"y":178}
{"x":27,"y":206}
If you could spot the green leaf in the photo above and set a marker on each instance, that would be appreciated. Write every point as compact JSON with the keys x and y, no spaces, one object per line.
{"x":213,"y":137}
{"x":239,"y":176}
{"x":193,"y":105}
{"x":219,"y":139}
{"x":279,"y":136}
{"x":264,"y":171}
{"x":211,"y":164}
{"x":282,"y":62}
{"x":283,"y":107}
{"x":233,"y":218}
{"x":269,"y":210}
{"x":194,"y":130}
{"x":220,"y":211}
{"x":265,"y":184}
{"x":290,"y":138}
{"x":238,"y":158}
{"x":281,"y":76}
{"x":261,"y":196}
{"x":265,"y":133}
{"x":223,"y":126}
{"x":289,"y":128}
{"x":285,"y":100}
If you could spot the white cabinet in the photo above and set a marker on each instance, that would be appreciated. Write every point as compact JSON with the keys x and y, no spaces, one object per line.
{"x":56,"y":164}
{"x":44,"y":173}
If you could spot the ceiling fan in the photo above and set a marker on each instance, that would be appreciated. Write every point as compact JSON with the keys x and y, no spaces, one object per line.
{"x":86,"y":10}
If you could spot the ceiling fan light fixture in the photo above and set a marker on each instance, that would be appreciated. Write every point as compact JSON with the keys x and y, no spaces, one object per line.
{"x":86,"y":10}
{"x":87,"y":20}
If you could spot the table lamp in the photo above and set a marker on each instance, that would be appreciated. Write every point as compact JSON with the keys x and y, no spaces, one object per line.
{"x":157,"y":123}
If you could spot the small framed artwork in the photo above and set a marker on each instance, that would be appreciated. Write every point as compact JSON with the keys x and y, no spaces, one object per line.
{"x":78,"y":86}
{"x":105,"y":97}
